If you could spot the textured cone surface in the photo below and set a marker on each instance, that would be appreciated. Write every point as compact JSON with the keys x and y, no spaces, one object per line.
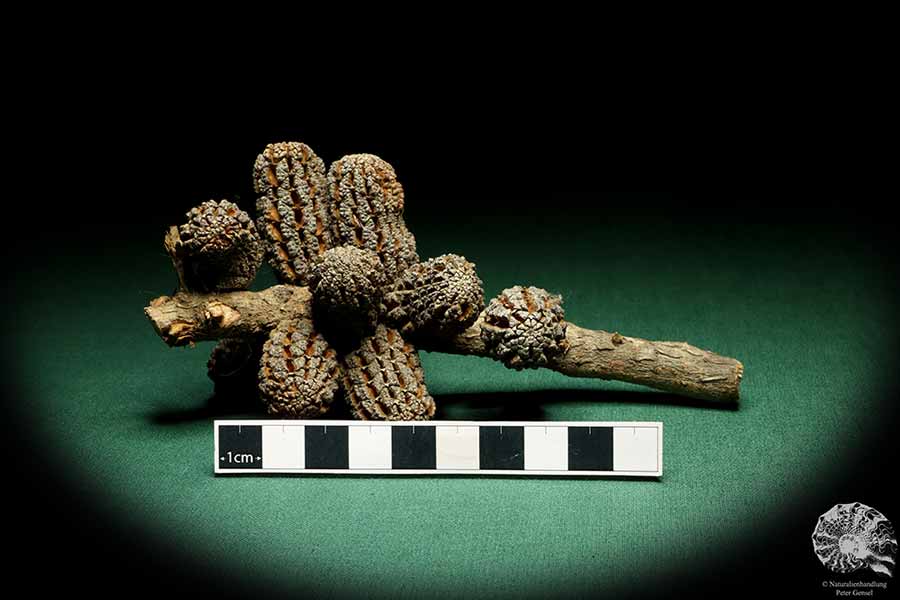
{"x":437,"y":298}
{"x":383,"y":380}
{"x":299,"y":372}
{"x":219,"y":248}
{"x":524,"y":327}
{"x":233,"y":366}
{"x":367,"y":210}
{"x":292,"y":208}
{"x":346,"y":283}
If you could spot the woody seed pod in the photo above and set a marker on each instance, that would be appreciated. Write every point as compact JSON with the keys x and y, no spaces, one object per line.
{"x":299,"y":372}
{"x":292,"y":208}
{"x":233,"y":367}
{"x":383,"y":380}
{"x":346,"y":283}
{"x":367,"y":210}
{"x":218,"y":248}
{"x":436,"y":298}
{"x":524,"y":327}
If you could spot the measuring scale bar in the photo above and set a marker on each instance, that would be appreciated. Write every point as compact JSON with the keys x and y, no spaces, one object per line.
{"x":582,"y":448}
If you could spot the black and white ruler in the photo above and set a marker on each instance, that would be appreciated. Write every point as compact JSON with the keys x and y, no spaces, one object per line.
{"x":583,"y":448}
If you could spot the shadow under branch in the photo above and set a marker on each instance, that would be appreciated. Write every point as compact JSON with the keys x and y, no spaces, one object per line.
{"x":481,"y":406}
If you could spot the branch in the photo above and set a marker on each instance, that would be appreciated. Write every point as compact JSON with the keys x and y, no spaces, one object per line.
{"x":675,"y":367}
{"x":189,"y":317}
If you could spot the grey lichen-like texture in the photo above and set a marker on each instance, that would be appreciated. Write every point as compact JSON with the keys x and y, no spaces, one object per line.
{"x":292,"y":208}
{"x":218,"y":247}
{"x":299,"y":371}
{"x":436,"y":298}
{"x":524,"y":327}
{"x":346,"y":284}
{"x":367,"y":210}
{"x":383,"y":379}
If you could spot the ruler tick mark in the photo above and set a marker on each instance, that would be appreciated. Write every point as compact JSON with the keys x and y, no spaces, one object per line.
{"x":491,"y":450}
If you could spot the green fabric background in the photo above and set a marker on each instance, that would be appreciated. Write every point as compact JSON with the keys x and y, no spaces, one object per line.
{"x":809,"y":315}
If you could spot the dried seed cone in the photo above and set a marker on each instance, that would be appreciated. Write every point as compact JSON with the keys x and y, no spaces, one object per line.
{"x":346,"y":284}
{"x":383,"y":380}
{"x":524,"y":327}
{"x":437,"y":298}
{"x":292,"y":208}
{"x":217,"y":249}
{"x":367,"y":210}
{"x":233,"y":367}
{"x":299,"y":372}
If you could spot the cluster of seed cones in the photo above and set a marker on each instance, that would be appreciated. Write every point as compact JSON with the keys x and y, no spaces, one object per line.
{"x":341,"y":233}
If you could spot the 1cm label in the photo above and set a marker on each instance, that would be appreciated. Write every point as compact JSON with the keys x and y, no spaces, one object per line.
{"x":234,"y":458}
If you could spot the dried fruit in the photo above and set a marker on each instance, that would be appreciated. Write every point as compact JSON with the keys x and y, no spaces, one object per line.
{"x":299,"y":372}
{"x":524,"y":327}
{"x":218,"y":248}
{"x":439,"y":297}
{"x":367,"y":210}
{"x":292,"y":208}
{"x":233,"y":366}
{"x":343,"y":235}
{"x":346,"y":283}
{"x":383,"y":379}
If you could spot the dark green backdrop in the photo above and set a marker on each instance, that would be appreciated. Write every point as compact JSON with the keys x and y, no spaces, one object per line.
{"x":122,"y":427}
{"x":504,"y":139}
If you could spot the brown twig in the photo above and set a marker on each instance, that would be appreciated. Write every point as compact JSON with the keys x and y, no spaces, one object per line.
{"x":188,"y":317}
{"x":675,"y":367}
